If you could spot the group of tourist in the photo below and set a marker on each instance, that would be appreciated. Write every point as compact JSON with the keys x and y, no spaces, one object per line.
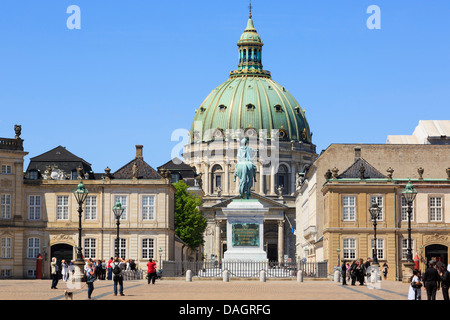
{"x":357,"y":270}
{"x":433,"y":280}
{"x":100,"y":270}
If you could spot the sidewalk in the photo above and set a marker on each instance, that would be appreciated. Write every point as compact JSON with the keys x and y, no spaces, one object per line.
{"x":209,"y":290}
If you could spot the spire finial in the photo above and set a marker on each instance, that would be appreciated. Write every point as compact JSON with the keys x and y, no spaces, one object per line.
{"x":250,"y":8}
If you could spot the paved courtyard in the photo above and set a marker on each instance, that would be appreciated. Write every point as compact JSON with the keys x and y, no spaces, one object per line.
{"x":179,"y":289}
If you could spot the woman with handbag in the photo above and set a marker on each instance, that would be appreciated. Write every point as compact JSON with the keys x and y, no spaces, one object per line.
{"x":415,"y":289}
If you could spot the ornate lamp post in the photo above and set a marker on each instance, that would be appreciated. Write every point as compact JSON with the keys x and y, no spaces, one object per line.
{"x":375,"y":211}
{"x":80,"y":194}
{"x":118,"y":210}
{"x":409,"y":193}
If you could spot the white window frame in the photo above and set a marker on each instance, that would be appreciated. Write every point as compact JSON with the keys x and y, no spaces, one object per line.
{"x":5,"y":206}
{"x":404,"y":209}
{"x":62,"y":207}
{"x":122,"y":247}
{"x":6,"y":169}
{"x":379,"y":199}
{"x":435,"y":210}
{"x":380,"y":248}
{"x":90,"y":248}
{"x":120,"y":198}
{"x":148,"y":248}
{"x":404,"y":250}
{"x":33,"y":247}
{"x":148,"y":210}
{"x":90,"y":208}
{"x":348,"y":216}
{"x":349,"y":248}
{"x":34,"y":207}
{"x":6,"y":248}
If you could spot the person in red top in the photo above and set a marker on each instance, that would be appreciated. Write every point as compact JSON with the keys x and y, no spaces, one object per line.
{"x":151,"y":270}
{"x":110,"y":268}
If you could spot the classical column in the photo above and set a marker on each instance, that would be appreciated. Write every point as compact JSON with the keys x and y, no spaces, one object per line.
{"x":218,"y":251}
{"x":207,"y":179}
{"x":226,"y":187}
{"x":272,"y":181}
{"x":261,"y":179}
{"x":292,"y":190}
{"x":280,"y":240}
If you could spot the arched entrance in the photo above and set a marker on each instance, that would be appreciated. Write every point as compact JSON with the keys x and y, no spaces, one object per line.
{"x":62,"y":251}
{"x":438,"y":253}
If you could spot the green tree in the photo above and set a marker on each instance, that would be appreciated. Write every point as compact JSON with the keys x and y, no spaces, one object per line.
{"x":189,"y":222}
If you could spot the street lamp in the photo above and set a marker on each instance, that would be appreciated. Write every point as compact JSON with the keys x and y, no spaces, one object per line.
{"x":409,"y":193}
{"x":375,"y":211}
{"x":80,"y":195}
{"x":118,"y":210}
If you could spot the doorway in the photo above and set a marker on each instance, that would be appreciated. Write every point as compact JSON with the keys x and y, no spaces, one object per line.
{"x":438,"y":253}
{"x":62,"y":251}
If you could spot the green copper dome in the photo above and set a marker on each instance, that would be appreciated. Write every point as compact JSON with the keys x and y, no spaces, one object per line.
{"x":250,"y":100}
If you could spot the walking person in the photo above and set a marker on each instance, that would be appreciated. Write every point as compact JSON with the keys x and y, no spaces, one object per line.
{"x":54,"y":273}
{"x":445,"y":282}
{"x":353,"y":273}
{"x":415,"y":288}
{"x":385,"y":270}
{"x":431,"y":280}
{"x":64,"y":270}
{"x":110,"y":268}
{"x":117,"y":271}
{"x":99,"y":270}
{"x":344,"y":273}
{"x":151,"y":271}
{"x":90,"y":278}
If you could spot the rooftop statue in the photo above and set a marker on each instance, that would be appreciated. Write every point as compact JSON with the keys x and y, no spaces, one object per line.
{"x":245,"y":169}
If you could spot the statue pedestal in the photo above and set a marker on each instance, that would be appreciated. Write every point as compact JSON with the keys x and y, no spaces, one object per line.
{"x":245,"y":231}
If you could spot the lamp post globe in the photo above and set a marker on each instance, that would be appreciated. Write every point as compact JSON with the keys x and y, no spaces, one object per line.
{"x":409,"y":194}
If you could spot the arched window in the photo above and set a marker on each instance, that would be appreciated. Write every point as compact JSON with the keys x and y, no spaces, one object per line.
{"x":216,"y":178}
{"x":282,"y":179}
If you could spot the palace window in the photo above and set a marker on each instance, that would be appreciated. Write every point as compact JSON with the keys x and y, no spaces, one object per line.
{"x":122,"y":247}
{"x":378,"y":200}
{"x":148,"y":248}
{"x":33,"y":247}
{"x":349,"y":246}
{"x":123,"y":202}
{"x":6,"y":169}
{"x":5,"y":206}
{"x":404,"y":212}
{"x":148,"y":207}
{"x":34,"y":208}
{"x":348,"y":208}
{"x":90,"y":208}
{"x":435,"y":209}
{"x":6,"y":248}
{"x":90,"y":245}
{"x":380,"y":248}
{"x":405,"y":247}
{"x":62,"y":208}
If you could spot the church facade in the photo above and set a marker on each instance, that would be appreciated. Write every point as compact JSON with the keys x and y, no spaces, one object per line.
{"x":250,"y":104}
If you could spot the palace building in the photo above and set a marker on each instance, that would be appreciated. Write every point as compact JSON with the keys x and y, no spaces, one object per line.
{"x":39,"y":211}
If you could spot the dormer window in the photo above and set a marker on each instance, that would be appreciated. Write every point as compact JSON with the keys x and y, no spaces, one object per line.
{"x":250,"y":107}
{"x":278,"y":108}
{"x":222,"y":108}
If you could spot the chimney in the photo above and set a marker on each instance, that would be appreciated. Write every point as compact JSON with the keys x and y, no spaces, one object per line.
{"x":139,"y":154}
{"x":357,"y":153}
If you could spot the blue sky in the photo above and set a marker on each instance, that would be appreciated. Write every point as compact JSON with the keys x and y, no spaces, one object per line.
{"x":137,"y":70}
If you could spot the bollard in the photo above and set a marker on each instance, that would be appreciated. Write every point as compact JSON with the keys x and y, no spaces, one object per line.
{"x":262,"y":276}
{"x":300,"y":276}
{"x":226,"y":276}
{"x":337,"y":276}
{"x":189,"y":275}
